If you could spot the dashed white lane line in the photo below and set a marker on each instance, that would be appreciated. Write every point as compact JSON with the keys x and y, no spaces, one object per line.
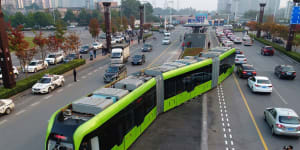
{"x":83,"y":77}
{"x":282,"y":99}
{"x":47,"y":97}
{"x":95,"y":70}
{"x":2,"y":122}
{"x":90,"y":73}
{"x":60,"y":90}
{"x":36,"y":103}
{"x":20,"y":112}
{"x":69,"y":85}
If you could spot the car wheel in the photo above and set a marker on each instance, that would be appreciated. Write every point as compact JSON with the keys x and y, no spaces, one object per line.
{"x":279,"y":76}
{"x":265,"y":116}
{"x":49,"y":90}
{"x":252,"y":90}
{"x":16,"y":76}
{"x":273,"y":131}
{"x":62,"y":84}
{"x":35,"y":70}
{"x":8,"y":111}
{"x":292,"y":78}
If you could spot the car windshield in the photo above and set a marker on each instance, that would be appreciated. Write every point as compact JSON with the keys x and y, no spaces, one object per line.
{"x":146,"y":45}
{"x":45,"y":80}
{"x":95,"y":44}
{"x":51,"y":56}
{"x":263,"y":82}
{"x":166,"y":38}
{"x":32,"y":63}
{"x":137,"y":56}
{"x":115,"y":55}
{"x":112,"y":69}
{"x":287,"y":69}
{"x":72,"y":55}
{"x":269,"y":48}
{"x":240,"y":56}
{"x":289,"y":120}
{"x":248,"y":68}
{"x":85,"y":47}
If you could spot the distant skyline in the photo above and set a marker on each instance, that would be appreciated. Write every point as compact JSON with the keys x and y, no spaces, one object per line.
{"x":196,"y":4}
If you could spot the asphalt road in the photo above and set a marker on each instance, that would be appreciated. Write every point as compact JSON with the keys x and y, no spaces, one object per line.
{"x":26,"y":127}
{"x":236,"y":114}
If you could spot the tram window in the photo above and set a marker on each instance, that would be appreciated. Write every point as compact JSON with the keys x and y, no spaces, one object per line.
{"x":150,"y":99}
{"x":95,"y":143}
{"x":85,"y":145}
{"x":170,"y":88}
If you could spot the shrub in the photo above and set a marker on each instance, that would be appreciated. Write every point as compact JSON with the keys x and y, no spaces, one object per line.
{"x":192,"y":51}
{"x":147,"y":35}
{"x":293,"y":55}
{"x":28,"y":82}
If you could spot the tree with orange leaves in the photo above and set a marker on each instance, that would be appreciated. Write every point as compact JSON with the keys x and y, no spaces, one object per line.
{"x":71,"y":44}
{"x":40,"y":41}
{"x":53,"y":43}
{"x":253,"y":25}
{"x":94,"y":28}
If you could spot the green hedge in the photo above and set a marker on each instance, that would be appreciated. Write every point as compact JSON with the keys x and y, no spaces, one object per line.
{"x":238,"y":30}
{"x":294,"y":55}
{"x":28,"y":82}
{"x":155,"y":29}
{"x":147,"y":35}
{"x":192,"y":51}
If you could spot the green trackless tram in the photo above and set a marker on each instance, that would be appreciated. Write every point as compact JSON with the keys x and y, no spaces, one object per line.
{"x":113,"y":118}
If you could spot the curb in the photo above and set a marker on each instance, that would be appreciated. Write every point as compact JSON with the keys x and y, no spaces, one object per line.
{"x":204,"y":135}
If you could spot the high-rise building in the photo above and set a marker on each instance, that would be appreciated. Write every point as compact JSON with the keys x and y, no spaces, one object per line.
{"x":224,"y":6}
{"x":7,"y":4}
{"x":288,"y":9}
{"x":72,"y":3}
{"x":27,"y":3}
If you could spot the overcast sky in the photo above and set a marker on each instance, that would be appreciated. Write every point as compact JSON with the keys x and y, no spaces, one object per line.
{"x":197,"y":4}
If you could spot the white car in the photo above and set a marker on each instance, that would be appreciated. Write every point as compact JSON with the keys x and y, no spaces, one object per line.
{"x":248,"y":42}
{"x":6,"y":106}
{"x":237,"y":40}
{"x":15,"y":70}
{"x":35,"y":66}
{"x":260,"y":84}
{"x":97,"y":45}
{"x":167,"y":34}
{"x":246,"y":37}
{"x":166,"y":41}
{"x":55,"y":58}
{"x":240,"y":59}
{"x":48,"y":83}
{"x":228,"y":44}
{"x":113,"y":41}
{"x":119,"y":39}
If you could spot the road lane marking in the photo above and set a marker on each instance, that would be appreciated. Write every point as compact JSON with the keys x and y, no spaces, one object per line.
{"x":95,"y":70}
{"x":20,"y":112}
{"x":83,"y":77}
{"x":281,"y":98}
{"x":90,"y":73}
{"x":2,"y":122}
{"x":70,"y":85}
{"x":47,"y":97}
{"x":251,"y":114}
{"x":36,"y":103}
{"x":60,"y":90}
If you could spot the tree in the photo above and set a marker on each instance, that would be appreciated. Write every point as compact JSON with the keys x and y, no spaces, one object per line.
{"x":72,"y":43}
{"x":94,"y":28}
{"x":83,"y":17}
{"x":40,"y":41}
{"x":18,"y":44}
{"x":250,"y":14}
{"x":18,"y":19}
{"x":132,"y":22}
{"x":60,"y":31}
{"x":130,"y":8}
{"x":125,"y":23}
{"x":53,"y":43}
{"x":43,"y":19}
{"x":253,"y":25}
{"x":69,"y":16}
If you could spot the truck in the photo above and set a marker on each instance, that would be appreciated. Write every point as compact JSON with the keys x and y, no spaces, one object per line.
{"x":120,"y":53}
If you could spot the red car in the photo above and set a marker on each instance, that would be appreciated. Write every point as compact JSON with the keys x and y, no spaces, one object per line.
{"x":267,"y":50}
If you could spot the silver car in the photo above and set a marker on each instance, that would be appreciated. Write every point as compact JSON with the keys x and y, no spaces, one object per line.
{"x":283,"y":121}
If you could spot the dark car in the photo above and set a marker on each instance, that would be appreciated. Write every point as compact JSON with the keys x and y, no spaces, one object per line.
{"x":285,"y":71}
{"x":238,"y":51}
{"x":70,"y":57}
{"x":114,"y":72}
{"x":84,"y":49}
{"x":277,"y":40}
{"x":267,"y":50}
{"x":245,"y":71}
{"x":147,"y":48}
{"x":138,"y":59}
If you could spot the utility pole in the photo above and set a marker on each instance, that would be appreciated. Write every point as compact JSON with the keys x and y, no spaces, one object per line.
{"x":141,"y":21}
{"x":107,"y":25}
{"x":261,"y":15}
{"x":8,"y":76}
{"x":291,"y":31}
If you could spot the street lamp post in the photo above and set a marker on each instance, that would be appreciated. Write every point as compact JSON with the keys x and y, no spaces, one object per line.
{"x":141,"y":21}
{"x":8,"y":76}
{"x":292,"y":29}
{"x":107,"y":25}
{"x":261,"y":15}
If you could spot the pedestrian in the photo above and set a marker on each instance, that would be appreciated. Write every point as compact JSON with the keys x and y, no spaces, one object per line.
{"x":74,"y":74}
{"x":208,"y":45}
{"x":91,"y":55}
{"x":95,"y":53}
{"x":144,"y":40}
{"x":180,"y":38}
{"x":138,"y":40}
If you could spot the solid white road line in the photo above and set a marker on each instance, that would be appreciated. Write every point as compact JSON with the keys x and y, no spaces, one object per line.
{"x":20,"y":112}
{"x":36,"y":103}
{"x":2,"y":122}
{"x":47,"y":97}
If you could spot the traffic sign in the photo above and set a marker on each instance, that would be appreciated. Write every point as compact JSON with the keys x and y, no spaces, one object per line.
{"x":295,"y":15}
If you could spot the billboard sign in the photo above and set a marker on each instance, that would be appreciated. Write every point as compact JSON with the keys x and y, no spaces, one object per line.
{"x":295,"y":15}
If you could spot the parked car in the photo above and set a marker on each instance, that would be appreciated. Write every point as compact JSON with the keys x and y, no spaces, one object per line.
{"x":119,"y":39}
{"x":48,"y":83}
{"x":228,"y":44}
{"x":35,"y":66}
{"x":238,"y":51}
{"x":15,"y":70}
{"x":285,"y":71}
{"x":166,"y":41}
{"x":55,"y":58}
{"x":97,"y":45}
{"x":246,"y":37}
{"x":237,"y":40}
{"x":6,"y":106}
{"x":113,"y":40}
{"x":277,"y":40}
{"x":114,"y":72}
{"x":283,"y":121}
{"x":138,"y":59}
{"x":240,"y":59}
{"x":70,"y":57}
{"x":260,"y":84}
{"x":147,"y":48}
{"x":161,"y":30}
{"x":84,"y":49}
{"x":167,"y":34}
{"x":267,"y":50}
{"x":102,"y":36}
{"x":245,"y":71}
